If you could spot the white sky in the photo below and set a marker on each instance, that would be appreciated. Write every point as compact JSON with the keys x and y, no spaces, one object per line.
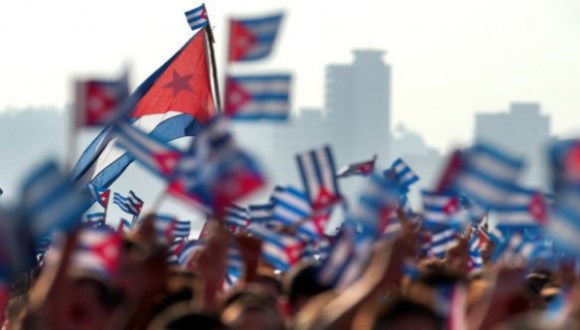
{"x":450,"y":58}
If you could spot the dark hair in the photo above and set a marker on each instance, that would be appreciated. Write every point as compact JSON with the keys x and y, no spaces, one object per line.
{"x":303,"y":283}
{"x":195,"y":321}
{"x":270,"y":280}
{"x":401,"y":308}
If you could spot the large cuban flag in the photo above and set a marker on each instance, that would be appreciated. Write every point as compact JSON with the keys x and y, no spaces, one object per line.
{"x":173,"y":102}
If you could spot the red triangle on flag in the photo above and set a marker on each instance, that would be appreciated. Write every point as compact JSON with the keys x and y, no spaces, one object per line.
{"x":537,"y":208}
{"x":242,"y":40}
{"x":236,"y":97}
{"x":166,"y":161}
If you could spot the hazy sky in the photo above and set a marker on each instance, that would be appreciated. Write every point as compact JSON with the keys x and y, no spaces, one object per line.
{"x":450,"y":58}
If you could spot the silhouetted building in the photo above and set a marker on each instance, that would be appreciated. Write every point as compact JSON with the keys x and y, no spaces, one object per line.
{"x":523,"y":130}
{"x":358,"y":98}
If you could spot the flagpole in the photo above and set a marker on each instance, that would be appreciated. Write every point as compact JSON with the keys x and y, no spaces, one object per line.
{"x":210,"y":41}
{"x":73,"y":125}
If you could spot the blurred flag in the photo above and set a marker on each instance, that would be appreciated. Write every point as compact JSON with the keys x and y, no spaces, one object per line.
{"x":188,"y":251}
{"x":258,"y":97}
{"x":261,"y":213}
{"x":450,"y":302}
{"x":488,"y":175}
{"x":130,"y":204}
{"x":197,"y":17}
{"x":170,"y":104}
{"x":97,"y":100}
{"x":518,"y":247}
{"x":522,"y":208}
{"x":175,"y":249}
{"x":443,"y":241}
{"x":182,"y":228}
{"x":318,"y":176}
{"x":236,"y":216}
{"x":402,"y":174}
{"x":97,"y":253}
{"x":363,"y":168}
{"x":124,"y":226}
{"x":51,"y":202}
{"x":215,"y":172}
{"x":157,"y":156}
{"x":234,"y":267}
{"x":565,"y":166}
{"x":98,"y":194}
{"x":564,"y":227}
{"x":165,"y":228}
{"x":252,"y":39}
{"x":441,"y":209}
{"x":280,"y":251}
{"x":475,"y":261}
{"x":95,"y":220}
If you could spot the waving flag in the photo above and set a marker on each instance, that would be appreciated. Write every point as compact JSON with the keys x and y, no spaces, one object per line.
{"x":96,"y":220}
{"x":157,"y":156}
{"x":124,"y":226}
{"x":234,"y":267}
{"x":565,"y":164}
{"x":99,"y":195}
{"x":175,"y":249}
{"x":443,"y":241}
{"x":318,"y":176}
{"x":362,"y":168}
{"x":401,"y":173}
{"x":519,"y":248}
{"x":97,"y":100}
{"x":261,"y":213}
{"x":165,"y":228}
{"x":477,"y":242}
{"x":352,"y":250}
{"x":182,"y":228}
{"x":170,"y":104}
{"x":188,"y":251}
{"x":50,"y":202}
{"x":564,"y":227}
{"x":522,"y":208}
{"x":252,"y":39}
{"x":130,"y":204}
{"x":215,"y":172}
{"x":97,"y":253}
{"x":488,"y":175}
{"x":441,"y":209}
{"x":236,"y":216}
{"x":197,"y":17}
{"x":258,"y":97}
{"x":280,"y":251}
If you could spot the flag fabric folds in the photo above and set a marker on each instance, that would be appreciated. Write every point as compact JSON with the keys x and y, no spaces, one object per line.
{"x":98,"y":194}
{"x":197,"y":17}
{"x":252,"y":39}
{"x":124,"y":226}
{"x":362,"y":168}
{"x":130,"y":204}
{"x":97,"y":253}
{"x":318,"y":176}
{"x":441,"y":209}
{"x":401,"y":173}
{"x":172,"y":103}
{"x":182,"y":228}
{"x":50,"y":201}
{"x":522,"y":208}
{"x":236,"y":216}
{"x":254,"y":97}
{"x":97,"y":100}
{"x":280,"y":251}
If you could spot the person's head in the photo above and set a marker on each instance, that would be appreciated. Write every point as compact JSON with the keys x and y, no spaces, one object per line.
{"x":269,"y":285}
{"x":300,"y":285}
{"x":252,"y":311}
{"x":403,"y":314}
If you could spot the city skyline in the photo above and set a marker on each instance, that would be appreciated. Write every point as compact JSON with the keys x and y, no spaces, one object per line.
{"x":451,"y":58}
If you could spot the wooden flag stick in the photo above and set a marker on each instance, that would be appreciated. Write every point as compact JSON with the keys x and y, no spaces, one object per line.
{"x":210,"y":41}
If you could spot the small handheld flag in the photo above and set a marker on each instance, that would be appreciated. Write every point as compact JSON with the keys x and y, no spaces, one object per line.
{"x":252,"y":39}
{"x":281,"y":251}
{"x":363,"y":168}
{"x":522,"y":208}
{"x":97,"y":253}
{"x":318,"y":176}
{"x":258,"y":97}
{"x":98,"y":194}
{"x":130,"y":204}
{"x":402,"y":174}
{"x":98,"y":100}
{"x":95,"y":220}
{"x":197,"y":18}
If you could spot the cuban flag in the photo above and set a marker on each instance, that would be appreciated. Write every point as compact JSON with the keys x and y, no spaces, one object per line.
{"x":97,"y":253}
{"x":488,"y":176}
{"x":318,"y":176}
{"x":234,"y":267}
{"x":215,"y":172}
{"x":365,"y":168}
{"x":187,"y":253}
{"x":565,"y":166}
{"x":130,"y":204}
{"x":252,"y":39}
{"x":475,"y":261}
{"x":443,"y":241}
{"x":564,"y":227}
{"x":96,"y":219}
{"x":97,"y":100}
{"x":173,"y":102}
{"x":175,"y":249}
{"x":280,"y":251}
{"x":401,"y":173}
{"x":441,"y":209}
{"x":522,"y":208}
{"x":236,"y":216}
{"x":165,"y":228}
{"x":51,"y":202}
{"x":158,"y":157}
{"x":353,"y":247}
{"x":258,"y":97}
{"x":197,"y":17}
{"x":182,"y":228}
{"x":124,"y":226}
{"x":261,"y":213}
{"x":518,"y":247}
{"x":98,"y":194}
